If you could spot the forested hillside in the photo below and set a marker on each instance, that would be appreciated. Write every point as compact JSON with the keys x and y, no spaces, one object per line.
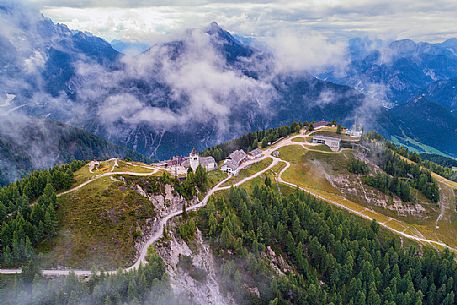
{"x":28,"y":211}
{"x":441,"y":160}
{"x":27,"y":144}
{"x":327,"y":255}
{"x":147,"y":285}
{"x":333,"y":257}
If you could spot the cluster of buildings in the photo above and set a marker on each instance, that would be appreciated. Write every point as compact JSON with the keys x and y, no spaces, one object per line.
{"x":195,"y":160}
{"x":231,"y":165}
{"x":181,"y":164}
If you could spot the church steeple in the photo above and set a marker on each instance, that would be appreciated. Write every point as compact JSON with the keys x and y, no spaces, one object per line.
{"x":194,"y":159}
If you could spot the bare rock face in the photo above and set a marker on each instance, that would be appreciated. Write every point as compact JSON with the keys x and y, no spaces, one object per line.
{"x":140,"y":191}
{"x":196,"y":280}
{"x":354,"y":188}
{"x":277,"y":262}
{"x":164,"y":203}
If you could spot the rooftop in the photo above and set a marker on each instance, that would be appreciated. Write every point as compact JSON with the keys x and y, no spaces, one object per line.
{"x":206,"y":160}
{"x":320,"y":124}
{"x":237,"y":156}
{"x":230,"y":164}
{"x":325,"y":138}
{"x":256,"y":151}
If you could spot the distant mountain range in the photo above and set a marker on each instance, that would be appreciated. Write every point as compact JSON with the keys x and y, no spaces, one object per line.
{"x":126,"y":47}
{"x":404,"y":67}
{"x":209,"y":86}
{"x":443,"y":92}
{"x":422,"y":125}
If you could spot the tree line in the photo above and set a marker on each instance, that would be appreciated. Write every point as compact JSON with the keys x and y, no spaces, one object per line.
{"x":390,"y":185}
{"x":251,"y":141}
{"x":358,"y":167}
{"x":435,"y":163}
{"x":400,"y":172}
{"x":419,"y":178}
{"x":430,"y":163}
{"x":439,"y":159}
{"x":148,"y":284}
{"x":193,"y":183}
{"x":28,"y":211}
{"x":331,"y":257}
{"x":381,"y":181}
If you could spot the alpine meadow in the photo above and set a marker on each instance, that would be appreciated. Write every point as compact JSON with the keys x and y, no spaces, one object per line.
{"x":228,"y":152}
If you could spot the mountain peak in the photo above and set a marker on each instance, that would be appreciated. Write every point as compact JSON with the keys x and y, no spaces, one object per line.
{"x":403,"y":45}
{"x":215,"y":29}
{"x":214,"y":24}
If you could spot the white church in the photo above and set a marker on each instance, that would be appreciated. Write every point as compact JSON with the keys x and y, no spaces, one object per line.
{"x":194,"y":160}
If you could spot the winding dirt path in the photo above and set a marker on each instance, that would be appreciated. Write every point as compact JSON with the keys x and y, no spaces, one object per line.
{"x":361,"y":214}
{"x":160,"y":226}
{"x":106,"y":175}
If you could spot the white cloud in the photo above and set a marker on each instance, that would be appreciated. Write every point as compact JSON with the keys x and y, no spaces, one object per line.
{"x":202,"y":88}
{"x":35,"y":62}
{"x":144,"y":20}
{"x":128,"y":109}
{"x":307,"y":52}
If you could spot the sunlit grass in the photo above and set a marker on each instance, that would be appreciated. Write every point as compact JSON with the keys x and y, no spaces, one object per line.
{"x":249,"y":171}
{"x":299,"y":139}
{"x":308,"y":170}
{"x":216,"y":176}
{"x":98,"y":225}
{"x":134,"y":167}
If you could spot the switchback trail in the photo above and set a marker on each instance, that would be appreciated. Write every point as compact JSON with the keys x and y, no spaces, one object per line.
{"x":160,"y":226}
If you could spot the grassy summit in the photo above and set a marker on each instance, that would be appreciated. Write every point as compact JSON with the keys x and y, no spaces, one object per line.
{"x":99,"y":225}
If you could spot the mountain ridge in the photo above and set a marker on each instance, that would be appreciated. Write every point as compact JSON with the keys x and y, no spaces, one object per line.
{"x":155,"y":104}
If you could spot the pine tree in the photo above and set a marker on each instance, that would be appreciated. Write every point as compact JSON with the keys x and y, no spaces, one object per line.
{"x":2,"y":212}
{"x":7,"y":255}
{"x":107,"y":300}
{"x":48,"y":224}
{"x":28,"y":249}
{"x":132,"y":290}
{"x":201,"y":178}
{"x":264,"y":143}
{"x":50,"y":193}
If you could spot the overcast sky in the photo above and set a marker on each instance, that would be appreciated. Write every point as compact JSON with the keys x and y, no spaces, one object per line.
{"x":426,"y":20}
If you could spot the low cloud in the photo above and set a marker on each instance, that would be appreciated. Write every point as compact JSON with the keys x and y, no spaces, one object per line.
{"x":180,"y":84}
{"x":375,"y":100}
{"x":309,"y":52}
{"x":127,"y":109}
{"x":34,"y":63}
{"x":195,"y":86}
